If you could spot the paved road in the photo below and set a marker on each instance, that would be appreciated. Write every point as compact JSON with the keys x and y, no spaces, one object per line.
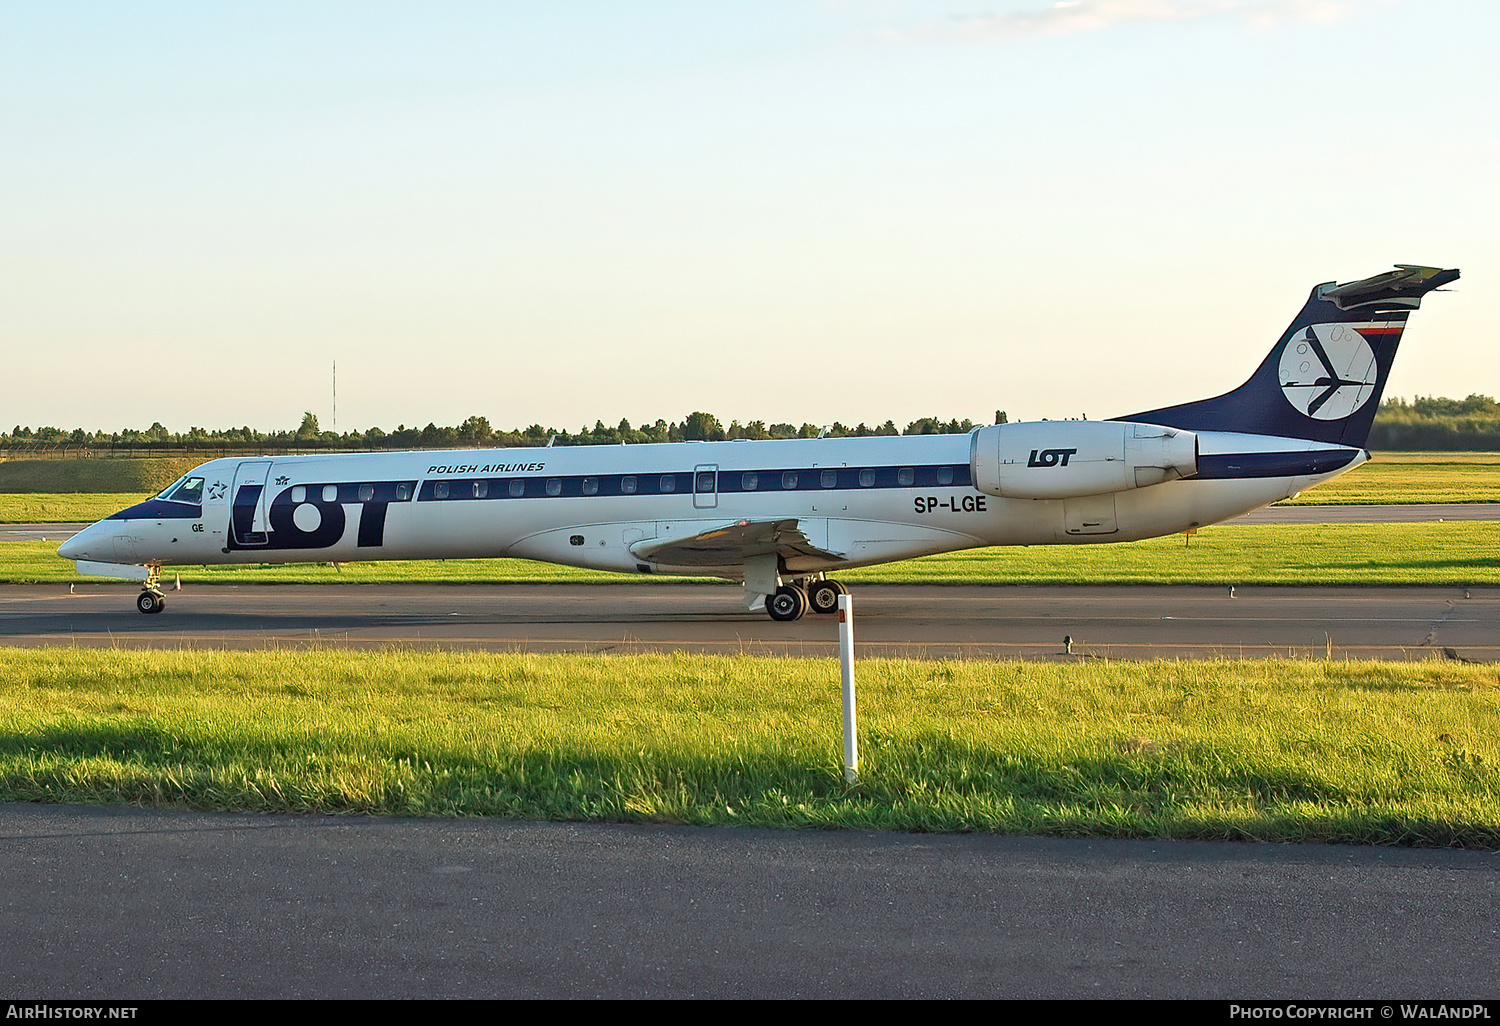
{"x":137,"y":904}
{"x":919,"y":621}
{"x":39,"y":532}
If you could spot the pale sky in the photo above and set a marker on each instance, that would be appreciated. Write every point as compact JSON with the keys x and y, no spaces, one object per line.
{"x":784,"y":210}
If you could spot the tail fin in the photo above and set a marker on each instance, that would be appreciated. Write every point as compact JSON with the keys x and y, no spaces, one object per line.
{"x":1324,"y":378}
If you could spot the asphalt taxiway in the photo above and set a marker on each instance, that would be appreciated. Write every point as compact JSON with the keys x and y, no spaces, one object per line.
{"x":902,"y":620}
{"x":123,"y":904}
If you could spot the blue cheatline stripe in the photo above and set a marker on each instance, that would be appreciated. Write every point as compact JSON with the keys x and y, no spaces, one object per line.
{"x":1273,"y":464}
{"x":779,"y":479}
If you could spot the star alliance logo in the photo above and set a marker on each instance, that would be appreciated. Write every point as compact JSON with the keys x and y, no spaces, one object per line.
{"x":1328,"y":371}
{"x":216,"y":491}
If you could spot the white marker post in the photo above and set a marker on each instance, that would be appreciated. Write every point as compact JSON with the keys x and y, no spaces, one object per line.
{"x":846,"y":665}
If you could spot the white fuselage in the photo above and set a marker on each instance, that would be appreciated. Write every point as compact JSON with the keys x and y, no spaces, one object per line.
{"x":856,"y":501}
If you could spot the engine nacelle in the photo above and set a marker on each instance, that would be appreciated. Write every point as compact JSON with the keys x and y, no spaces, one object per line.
{"x":1064,"y":459}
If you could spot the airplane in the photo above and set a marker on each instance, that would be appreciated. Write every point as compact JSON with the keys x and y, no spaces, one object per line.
{"x":781,"y":515}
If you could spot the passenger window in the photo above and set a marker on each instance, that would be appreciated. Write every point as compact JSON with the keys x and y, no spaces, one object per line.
{"x":749,"y":482}
{"x":403,"y":492}
{"x":705,"y":481}
{"x":554,"y":486}
{"x":330,"y":493}
{"x":481,"y":489}
{"x":366,"y":493}
{"x":945,"y":475}
{"x":440,"y":490}
{"x":627,"y":486}
{"x":517,"y":488}
{"x":591,"y":486}
{"x":299,"y":493}
{"x":789,"y":480}
{"x":829,"y":478}
{"x":906,"y":477}
{"x":669,"y":482}
{"x":866,"y":478}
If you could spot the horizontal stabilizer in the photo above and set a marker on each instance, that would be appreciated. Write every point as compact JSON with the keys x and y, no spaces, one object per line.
{"x":1404,"y":286}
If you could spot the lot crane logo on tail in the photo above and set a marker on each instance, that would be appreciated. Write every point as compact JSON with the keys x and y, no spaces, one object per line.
{"x":1328,"y":372}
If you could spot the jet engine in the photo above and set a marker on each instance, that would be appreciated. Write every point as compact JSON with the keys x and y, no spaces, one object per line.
{"x":1064,"y":459}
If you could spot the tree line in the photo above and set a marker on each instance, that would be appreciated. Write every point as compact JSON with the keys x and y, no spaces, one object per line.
{"x":476,"y":431}
{"x":1432,"y":423}
{"x":1424,"y":423}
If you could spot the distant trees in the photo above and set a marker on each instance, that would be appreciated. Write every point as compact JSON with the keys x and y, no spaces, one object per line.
{"x":1425,"y":422}
{"x":1434,"y":423}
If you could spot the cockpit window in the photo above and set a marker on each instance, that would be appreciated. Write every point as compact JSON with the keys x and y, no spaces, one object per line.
{"x":189,"y":489}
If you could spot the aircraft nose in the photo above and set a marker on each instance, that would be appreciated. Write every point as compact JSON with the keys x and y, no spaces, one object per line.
{"x":78,"y":546}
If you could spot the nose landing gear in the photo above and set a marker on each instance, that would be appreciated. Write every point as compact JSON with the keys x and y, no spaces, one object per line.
{"x":151,"y":600}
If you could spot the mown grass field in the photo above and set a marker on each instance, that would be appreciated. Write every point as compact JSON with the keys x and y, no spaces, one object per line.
{"x":137,"y":476}
{"x":1350,"y":752}
{"x":64,"y":507}
{"x":1435,"y":553}
{"x":1400,"y":477}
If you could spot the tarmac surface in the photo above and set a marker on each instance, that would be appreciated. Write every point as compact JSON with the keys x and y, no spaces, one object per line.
{"x":126,"y":904}
{"x":890,"y":620}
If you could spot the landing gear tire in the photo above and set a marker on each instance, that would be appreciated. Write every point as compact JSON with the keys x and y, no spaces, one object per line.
{"x":150,"y":602}
{"x":788,"y":604}
{"x":823,"y":596}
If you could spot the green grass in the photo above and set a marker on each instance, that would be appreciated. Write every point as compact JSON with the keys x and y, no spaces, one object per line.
{"x":1446,"y":553}
{"x":1351,"y":752}
{"x":64,"y":507}
{"x":1403,"y":477}
{"x":140,"y":476}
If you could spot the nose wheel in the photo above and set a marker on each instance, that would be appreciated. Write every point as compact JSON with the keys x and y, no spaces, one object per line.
{"x":151,"y":600}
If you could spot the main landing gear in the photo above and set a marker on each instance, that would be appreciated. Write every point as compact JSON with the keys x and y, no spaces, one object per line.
{"x":151,"y":600}
{"x":792,"y":600}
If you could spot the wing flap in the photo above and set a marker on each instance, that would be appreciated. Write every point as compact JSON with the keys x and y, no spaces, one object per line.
{"x":732,"y":544}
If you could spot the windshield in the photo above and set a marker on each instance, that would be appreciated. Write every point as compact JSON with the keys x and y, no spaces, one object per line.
{"x":189,"y":489}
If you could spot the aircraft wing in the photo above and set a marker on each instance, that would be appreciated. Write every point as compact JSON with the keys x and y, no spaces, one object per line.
{"x":727,"y":546}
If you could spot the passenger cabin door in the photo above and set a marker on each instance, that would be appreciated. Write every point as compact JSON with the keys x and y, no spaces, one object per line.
{"x":247,"y":510}
{"x":706,"y":486}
